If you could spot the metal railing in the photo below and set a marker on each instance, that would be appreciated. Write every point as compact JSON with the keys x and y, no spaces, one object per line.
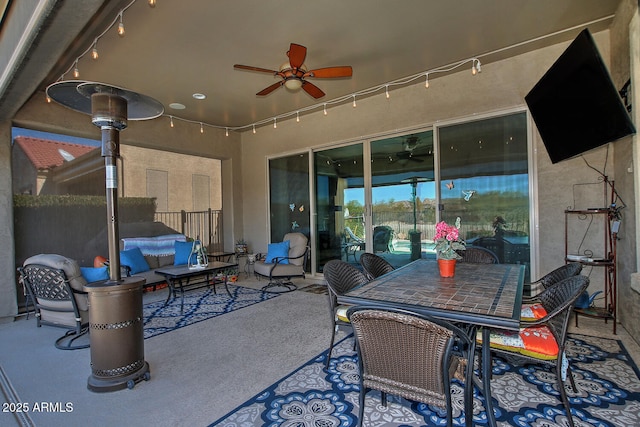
{"x":205,"y":225}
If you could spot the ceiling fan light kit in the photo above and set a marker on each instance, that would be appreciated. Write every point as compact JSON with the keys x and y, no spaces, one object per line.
{"x":294,"y":73}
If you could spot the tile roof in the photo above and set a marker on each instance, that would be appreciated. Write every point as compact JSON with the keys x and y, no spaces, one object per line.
{"x":46,"y":154}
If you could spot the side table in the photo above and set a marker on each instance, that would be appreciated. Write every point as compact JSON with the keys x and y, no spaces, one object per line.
{"x":249,"y":261}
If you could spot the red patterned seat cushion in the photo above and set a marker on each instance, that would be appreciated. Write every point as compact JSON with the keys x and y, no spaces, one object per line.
{"x":536,"y":342}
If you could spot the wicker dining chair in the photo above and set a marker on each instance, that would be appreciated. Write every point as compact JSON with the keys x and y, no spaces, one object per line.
{"x":341,"y":277}
{"x":410,"y":355}
{"x":560,"y":273}
{"x":543,"y":341}
{"x":479,"y":255}
{"x":374,"y":265}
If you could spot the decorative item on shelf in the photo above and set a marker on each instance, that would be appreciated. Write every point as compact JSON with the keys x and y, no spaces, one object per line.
{"x":241,"y":246}
{"x":448,"y":241}
{"x":198,"y":257}
{"x":251,"y":259}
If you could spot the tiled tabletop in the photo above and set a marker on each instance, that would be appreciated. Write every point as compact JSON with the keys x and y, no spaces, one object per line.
{"x":480,"y":294}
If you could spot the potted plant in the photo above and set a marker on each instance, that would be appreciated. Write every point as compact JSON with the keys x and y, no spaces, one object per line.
{"x":241,"y":246}
{"x":448,"y":241}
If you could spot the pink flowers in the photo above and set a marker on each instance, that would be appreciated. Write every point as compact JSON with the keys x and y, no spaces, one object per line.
{"x":448,"y":240}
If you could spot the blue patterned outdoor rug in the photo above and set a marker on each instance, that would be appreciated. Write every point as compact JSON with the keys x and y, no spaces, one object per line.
{"x":198,"y":306}
{"x":607,"y":380}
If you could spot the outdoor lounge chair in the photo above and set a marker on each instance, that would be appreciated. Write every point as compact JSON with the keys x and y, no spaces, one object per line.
{"x":283,"y":261}
{"x":56,"y":287}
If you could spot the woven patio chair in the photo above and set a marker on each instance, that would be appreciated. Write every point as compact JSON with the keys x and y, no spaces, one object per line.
{"x":542,"y":341}
{"x":410,"y":355}
{"x":55,"y":284}
{"x":560,"y":273}
{"x":479,"y":255}
{"x":374,"y":265}
{"x":341,"y":277}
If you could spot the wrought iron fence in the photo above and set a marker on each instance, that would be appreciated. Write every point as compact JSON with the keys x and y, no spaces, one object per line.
{"x":203,"y":225}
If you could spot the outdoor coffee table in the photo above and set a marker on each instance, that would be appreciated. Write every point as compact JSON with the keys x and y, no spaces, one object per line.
{"x":181,"y":276}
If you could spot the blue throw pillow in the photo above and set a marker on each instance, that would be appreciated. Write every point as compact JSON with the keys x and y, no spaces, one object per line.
{"x":278,"y":250}
{"x":183,"y":249}
{"x":94,"y":274}
{"x":134,"y":259}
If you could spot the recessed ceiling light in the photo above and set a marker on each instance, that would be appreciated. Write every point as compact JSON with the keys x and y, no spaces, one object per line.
{"x":199,"y":95}
{"x":177,"y":106}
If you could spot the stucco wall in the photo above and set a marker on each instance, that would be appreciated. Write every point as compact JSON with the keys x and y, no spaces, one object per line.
{"x":181,"y":168}
{"x":501,"y":85}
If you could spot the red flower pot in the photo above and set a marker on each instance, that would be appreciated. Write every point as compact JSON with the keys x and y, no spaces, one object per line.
{"x":447,"y":267}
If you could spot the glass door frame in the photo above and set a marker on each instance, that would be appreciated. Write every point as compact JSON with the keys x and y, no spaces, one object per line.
{"x":366,"y":141}
{"x":532,"y":172}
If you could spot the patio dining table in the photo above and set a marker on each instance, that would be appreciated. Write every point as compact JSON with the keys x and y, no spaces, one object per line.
{"x":479,"y":295}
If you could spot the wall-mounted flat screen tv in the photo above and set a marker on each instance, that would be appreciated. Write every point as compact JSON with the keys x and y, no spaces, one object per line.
{"x":575,"y":105}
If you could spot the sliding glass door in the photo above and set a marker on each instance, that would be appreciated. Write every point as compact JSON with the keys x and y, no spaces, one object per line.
{"x":484,"y":180}
{"x":402,"y":196}
{"x":339,"y":203}
{"x":385,"y":195}
{"x":289,"y":196}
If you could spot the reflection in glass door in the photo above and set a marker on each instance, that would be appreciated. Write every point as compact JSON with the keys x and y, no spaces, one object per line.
{"x":339,"y":205}
{"x":289,"y":196}
{"x":484,"y":180}
{"x":403,"y":197}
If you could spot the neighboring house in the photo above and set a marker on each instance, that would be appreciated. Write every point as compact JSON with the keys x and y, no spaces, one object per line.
{"x":37,"y":160}
{"x":176,"y":181}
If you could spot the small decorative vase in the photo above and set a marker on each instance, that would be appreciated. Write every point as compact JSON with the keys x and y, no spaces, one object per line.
{"x":447,"y":267}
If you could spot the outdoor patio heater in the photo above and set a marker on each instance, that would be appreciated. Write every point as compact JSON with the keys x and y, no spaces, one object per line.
{"x":115,"y":305}
{"x":414,"y":235}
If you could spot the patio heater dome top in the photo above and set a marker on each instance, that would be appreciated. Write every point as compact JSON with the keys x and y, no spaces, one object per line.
{"x":76,"y":95}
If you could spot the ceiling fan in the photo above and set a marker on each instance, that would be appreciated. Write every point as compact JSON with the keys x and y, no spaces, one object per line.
{"x":294,"y":73}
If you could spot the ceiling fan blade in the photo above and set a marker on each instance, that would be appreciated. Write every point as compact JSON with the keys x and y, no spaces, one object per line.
{"x":268,"y":90}
{"x":296,"y":54}
{"x":312,"y":89}
{"x":249,"y":68}
{"x":330,"y":72}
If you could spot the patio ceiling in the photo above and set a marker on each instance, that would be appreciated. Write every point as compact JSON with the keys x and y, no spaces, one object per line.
{"x":178,"y":49}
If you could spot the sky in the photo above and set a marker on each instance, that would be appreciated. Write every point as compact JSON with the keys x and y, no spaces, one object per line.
{"x":462,"y":186}
{"x":54,"y":136}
